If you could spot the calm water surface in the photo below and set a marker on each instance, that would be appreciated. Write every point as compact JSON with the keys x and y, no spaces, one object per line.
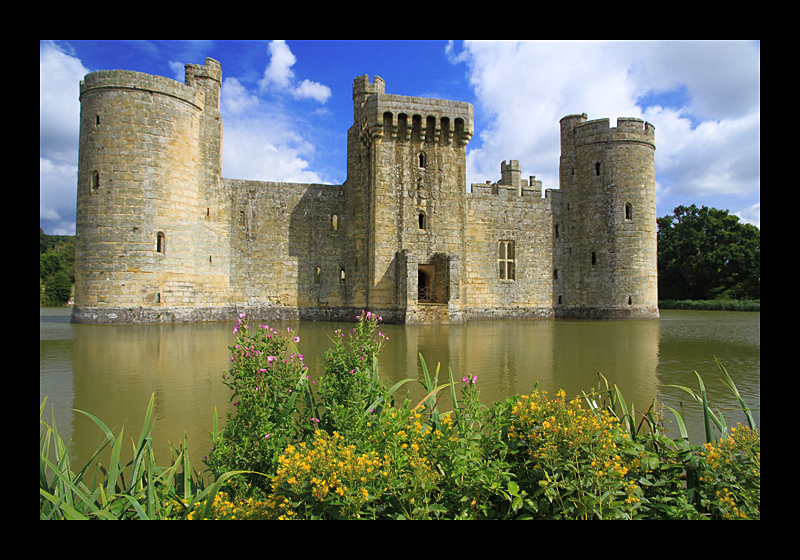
{"x":111,"y":371}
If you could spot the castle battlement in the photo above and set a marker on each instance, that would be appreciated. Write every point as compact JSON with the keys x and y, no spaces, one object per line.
{"x":162,"y":237}
{"x":628,"y":129}
{"x":511,"y":184}
{"x":403,"y":118}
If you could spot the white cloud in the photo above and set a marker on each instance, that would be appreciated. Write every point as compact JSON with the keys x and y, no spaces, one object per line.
{"x":59,"y":115}
{"x":178,"y":71}
{"x":257,"y":149}
{"x":279,"y":76}
{"x":59,"y":107}
{"x":708,"y":145}
{"x":261,"y":141}
{"x":234,"y":98}
{"x":717,"y":157}
{"x":312,"y":90}
{"x":57,"y":196}
{"x":279,"y":73}
{"x":751,"y":215}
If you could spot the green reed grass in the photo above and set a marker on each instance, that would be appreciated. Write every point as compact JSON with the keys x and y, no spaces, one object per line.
{"x":138,"y":489}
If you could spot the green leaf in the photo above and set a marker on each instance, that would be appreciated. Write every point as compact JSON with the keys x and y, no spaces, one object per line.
{"x":453,"y":392}
{"x":681,"y":423}
{"x":69,"y":512}
{"x":706,"y":410}
{"x":115,"y":466}
{"x":729,"y":382}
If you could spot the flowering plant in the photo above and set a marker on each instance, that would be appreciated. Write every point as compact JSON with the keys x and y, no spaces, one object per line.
{"x":351,"y":389}
{"x":267,"y":377}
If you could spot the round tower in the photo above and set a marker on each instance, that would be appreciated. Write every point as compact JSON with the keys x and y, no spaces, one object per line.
{"x":140,"y":171}
{"x":608,"y":213}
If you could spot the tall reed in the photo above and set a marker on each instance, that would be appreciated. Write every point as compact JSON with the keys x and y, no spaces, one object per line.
{"x":138,"y":489}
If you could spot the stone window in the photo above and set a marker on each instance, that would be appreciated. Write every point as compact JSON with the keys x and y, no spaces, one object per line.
{"x":95,"y":180}
{"x":423,"y":221}
{"x":506,"y":260}
{"x":594,"y":258}
{"x":597,"y":168}
{"x":628,"y":211}
{"x":335,"y":222}
{"x":161,"y":243}
{"x":421,"y":160}
{"x":341,"y":276}
{"x":317,"y":273}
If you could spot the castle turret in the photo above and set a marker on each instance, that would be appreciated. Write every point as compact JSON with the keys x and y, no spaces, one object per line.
{"x":606,"y":251}
{"x":511,"y":175}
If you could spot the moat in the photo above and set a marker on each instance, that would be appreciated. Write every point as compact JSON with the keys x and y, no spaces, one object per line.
{"x":111,"y":371}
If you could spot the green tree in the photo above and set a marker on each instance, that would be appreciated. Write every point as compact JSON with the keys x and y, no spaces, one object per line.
{"x":705,"y":253}
{"x":49,"y":264}
{"x":58,"y":289}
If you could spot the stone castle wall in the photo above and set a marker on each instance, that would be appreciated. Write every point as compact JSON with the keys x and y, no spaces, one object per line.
{"x":161,"y":236}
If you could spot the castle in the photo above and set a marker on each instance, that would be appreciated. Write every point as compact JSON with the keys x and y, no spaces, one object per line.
{"x":163,"y":237}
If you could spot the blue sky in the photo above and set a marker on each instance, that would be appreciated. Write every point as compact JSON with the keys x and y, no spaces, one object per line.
{"x":287,"y":105}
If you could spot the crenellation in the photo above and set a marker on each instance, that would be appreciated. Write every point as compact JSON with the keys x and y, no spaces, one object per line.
{"x":163,"y":237}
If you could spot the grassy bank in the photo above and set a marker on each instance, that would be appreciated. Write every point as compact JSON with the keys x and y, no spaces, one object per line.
{"x":350,"y":447}
{"x":712,"y":305}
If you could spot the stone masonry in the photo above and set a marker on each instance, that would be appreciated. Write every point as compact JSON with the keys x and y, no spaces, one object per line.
{"x":163,"y":237}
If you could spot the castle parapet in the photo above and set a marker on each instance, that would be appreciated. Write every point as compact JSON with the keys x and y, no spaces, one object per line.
{"x":138,"y":81}
{"x":628,"y":129}
{"x":511,"y":183}
{"x":402,"y":118}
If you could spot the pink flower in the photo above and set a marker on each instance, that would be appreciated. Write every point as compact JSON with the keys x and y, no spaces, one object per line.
{"x":297,"y":339}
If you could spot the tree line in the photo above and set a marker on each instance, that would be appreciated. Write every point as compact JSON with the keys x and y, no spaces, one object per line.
{"x":708,"y":254}
{"x":703,"y":254}
{"x":56,"y":268}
